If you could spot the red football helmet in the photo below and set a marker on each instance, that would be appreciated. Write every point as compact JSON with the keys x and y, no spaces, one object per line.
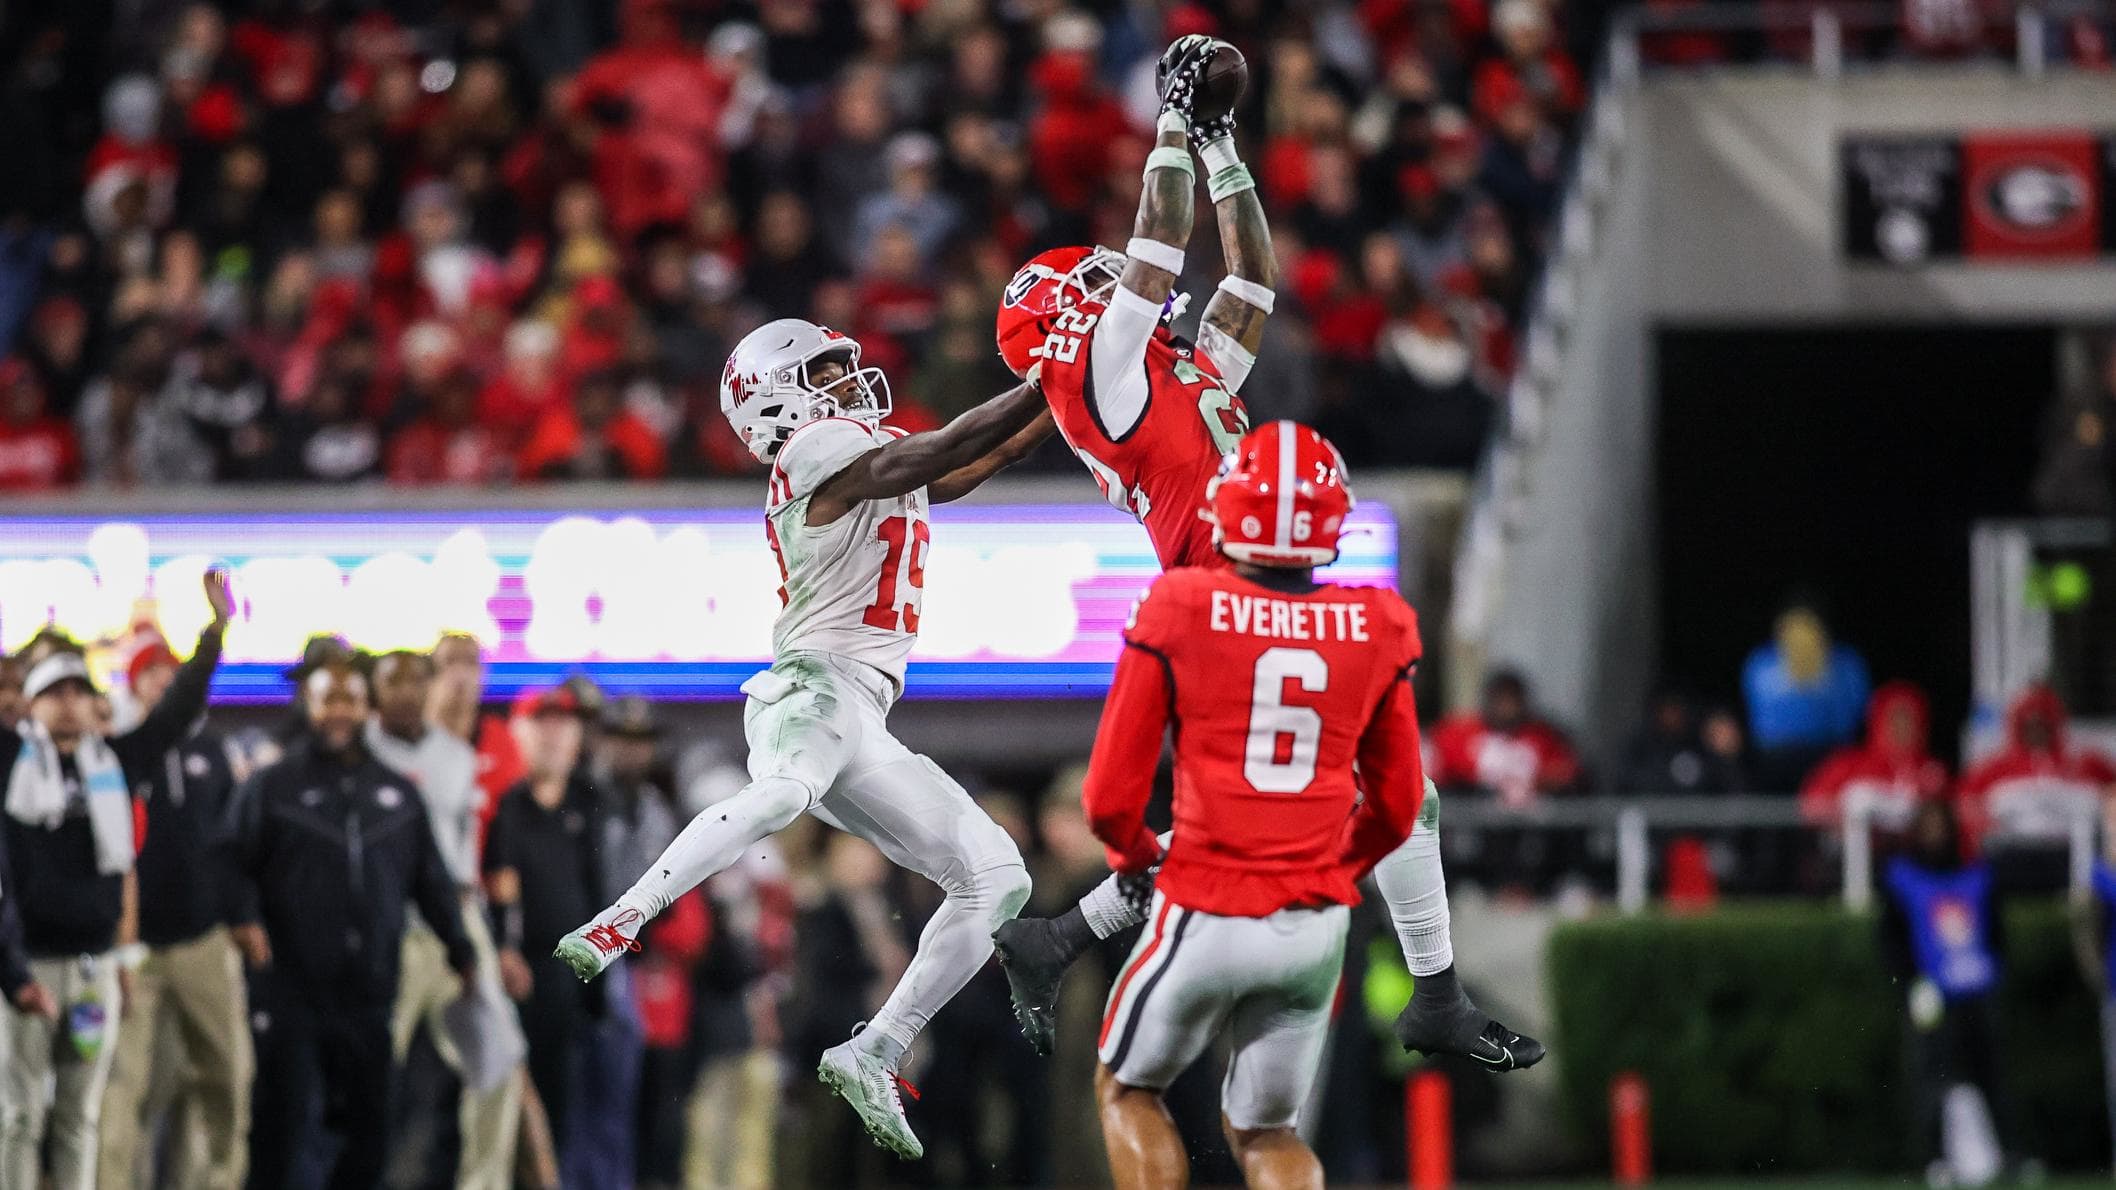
{"x":1280,"y":498}
{"x":1046,"y":287}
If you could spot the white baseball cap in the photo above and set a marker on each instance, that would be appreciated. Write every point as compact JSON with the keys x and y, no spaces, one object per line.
{"x":59,"y":667}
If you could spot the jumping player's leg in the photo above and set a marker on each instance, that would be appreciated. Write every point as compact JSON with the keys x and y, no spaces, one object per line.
{"x":1276,"y":1036}
{"x":1037,"y":950}
{"x":1145,"y":1150}
{"x":1169,"y":1001}
{"x":1440,"y":1017}
{"x":800,"y":736}
{"x":922,"y":821}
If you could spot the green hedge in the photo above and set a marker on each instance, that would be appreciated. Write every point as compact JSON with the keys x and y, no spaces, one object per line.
{"x":1773,"y":1042}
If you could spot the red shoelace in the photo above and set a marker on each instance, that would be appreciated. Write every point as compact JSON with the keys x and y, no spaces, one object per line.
{"x":609,"y":937}
{"x":905,"y":1084}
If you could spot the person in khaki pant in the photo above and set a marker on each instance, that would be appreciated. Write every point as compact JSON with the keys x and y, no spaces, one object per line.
{"x":191,"y":981}
{"x":72,"y":833}
{"x":444,"y":770}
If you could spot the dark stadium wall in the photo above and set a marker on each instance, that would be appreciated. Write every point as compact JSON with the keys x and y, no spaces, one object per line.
{"x":1721,"y":207}
{"x":1848,"y":462}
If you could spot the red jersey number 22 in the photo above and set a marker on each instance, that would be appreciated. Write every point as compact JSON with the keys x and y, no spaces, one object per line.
{"x":906,"y":564}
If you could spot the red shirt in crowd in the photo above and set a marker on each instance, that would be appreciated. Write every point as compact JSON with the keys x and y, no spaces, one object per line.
{"x":1518,"y":763}
{"x":665,"y":152}
{"x":1278,"y":695}
{"x":38,"y":455}
{"x":1892,"y":768}
{"x":2038,"y":783}
{"x":429,"y":452}
{"x":1070,"y":137}
{"x":556,"y":448}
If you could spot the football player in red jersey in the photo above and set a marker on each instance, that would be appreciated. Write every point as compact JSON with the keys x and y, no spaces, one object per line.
{"x":1273,"y":828}
{"x":1149,"y":414}
{"x":1151,"y":418}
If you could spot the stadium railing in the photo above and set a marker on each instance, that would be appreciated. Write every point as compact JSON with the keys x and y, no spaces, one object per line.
{"x":1632,"y":821}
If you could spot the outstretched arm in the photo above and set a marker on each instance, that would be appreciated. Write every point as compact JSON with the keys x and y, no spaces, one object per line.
{"x":963,"y":480}
{"x":913,"y":462}
{"x":1233,"y":324}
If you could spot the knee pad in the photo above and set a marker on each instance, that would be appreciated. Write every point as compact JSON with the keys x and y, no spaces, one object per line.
{"x":1002,"y":891}
{"x":776,"y":800}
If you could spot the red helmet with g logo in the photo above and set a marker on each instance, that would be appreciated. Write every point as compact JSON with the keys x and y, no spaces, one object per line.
{"x":1047,"y":286}
{"x":1280,"y":499}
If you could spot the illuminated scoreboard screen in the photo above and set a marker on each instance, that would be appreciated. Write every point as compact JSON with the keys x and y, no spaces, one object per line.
{"x":1021,"y":600}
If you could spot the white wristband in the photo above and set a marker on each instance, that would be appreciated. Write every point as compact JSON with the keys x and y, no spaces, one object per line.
{"x":1172,"y":121}
{"x":1218,"y":154}
{"x":1249,"y":291}
{"x":1168,"y":157}
{"x":1166,"y":257}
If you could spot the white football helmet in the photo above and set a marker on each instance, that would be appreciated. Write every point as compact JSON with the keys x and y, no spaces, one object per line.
{"x":766,"y":392}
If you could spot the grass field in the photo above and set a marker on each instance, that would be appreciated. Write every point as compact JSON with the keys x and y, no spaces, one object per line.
{"x":2063,"y":1183}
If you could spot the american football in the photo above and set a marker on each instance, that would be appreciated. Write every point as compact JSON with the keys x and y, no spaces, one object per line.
{"x":1221,"y":87}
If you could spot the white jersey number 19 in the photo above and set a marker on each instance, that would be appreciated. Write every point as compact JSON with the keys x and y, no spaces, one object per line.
{"x":906,"y":567}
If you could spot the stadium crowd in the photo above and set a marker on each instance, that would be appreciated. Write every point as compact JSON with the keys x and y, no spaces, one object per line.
{"x":482,"y":242}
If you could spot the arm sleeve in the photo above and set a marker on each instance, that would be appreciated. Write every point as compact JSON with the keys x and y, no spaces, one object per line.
{"x":1232,"y":360}
{"x":14,"y":951}
{"x":1116,"y":361}
{"x":1128,"y":741}
{"x":818,"y":451}
{"x":180,"y":707}
{"x":1393,"y":772}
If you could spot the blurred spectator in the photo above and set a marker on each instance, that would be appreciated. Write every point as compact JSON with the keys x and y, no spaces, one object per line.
{"x":13,"y":703}
{"x":1890,"y":773}
{"x":912,"y":202}
{"x":133,"y":435}
{"x":1669,"y":753}
{"x":327,"y":438}
{"x":1942,"y":938}
{"x":851,"y":945}
{"x":2025,"y":800}
{"x":72,"y":836}
{"x":1725,"y":742}
{"x":442,"y":769}
{"x":788,"y":265}
{"x":226,"y":401}
{"x":651,"y":181}
{"x":446,"y":443}
{"x":57,"y":346}
{"x":334,"y":905}
{"x":188,"y":993}
{"x":1503,"y":747}
{"x":37,"y":450}
{"x":457,"y":708}
{"x":653,"y":104}
{"x":596,"y":438}
{"x":1805,"y":695}
{"x":543,"y":875}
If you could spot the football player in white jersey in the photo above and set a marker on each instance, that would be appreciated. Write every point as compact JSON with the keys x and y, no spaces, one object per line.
{"x":846,"y":516}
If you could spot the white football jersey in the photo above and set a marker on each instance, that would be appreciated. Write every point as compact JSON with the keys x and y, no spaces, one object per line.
{"x":851,"y":588}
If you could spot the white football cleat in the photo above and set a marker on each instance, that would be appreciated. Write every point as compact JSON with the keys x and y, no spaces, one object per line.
{"x":860,"y":1078}
{"x":591,"y":949}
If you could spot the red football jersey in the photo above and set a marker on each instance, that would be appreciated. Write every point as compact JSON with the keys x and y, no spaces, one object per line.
{"x":1275,"y":698}
{"x":1158,"y":471}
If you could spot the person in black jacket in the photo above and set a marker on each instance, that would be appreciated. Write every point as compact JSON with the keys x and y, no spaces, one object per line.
{"x":71,"y":840}
{"x":333,"y":844}
{"x":189,"y":990}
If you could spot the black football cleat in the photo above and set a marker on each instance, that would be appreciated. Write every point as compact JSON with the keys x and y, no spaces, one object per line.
{"x":1445,"y":1021}
{"x":1035,"y":956}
